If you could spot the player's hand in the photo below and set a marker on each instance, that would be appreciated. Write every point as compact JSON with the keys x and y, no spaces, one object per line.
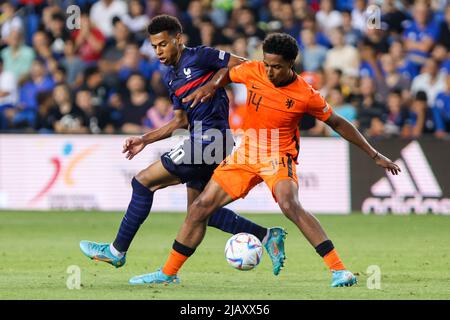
{"x":386,"y":163}
{"x":133,"y":146}
{"x":200,"y":95}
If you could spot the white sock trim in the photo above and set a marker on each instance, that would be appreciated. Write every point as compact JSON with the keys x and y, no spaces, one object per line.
{"x":264,"y":240}
{"x":116,"y":252}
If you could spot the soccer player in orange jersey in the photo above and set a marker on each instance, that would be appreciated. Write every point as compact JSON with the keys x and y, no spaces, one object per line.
{"x":277,"y":98}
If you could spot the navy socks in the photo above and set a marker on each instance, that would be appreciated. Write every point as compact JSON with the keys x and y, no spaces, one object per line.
{"x":228,"y":221}
{"x":137,"y":212}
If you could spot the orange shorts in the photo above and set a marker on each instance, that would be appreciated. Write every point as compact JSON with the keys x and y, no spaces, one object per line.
{"x":238,"y":179}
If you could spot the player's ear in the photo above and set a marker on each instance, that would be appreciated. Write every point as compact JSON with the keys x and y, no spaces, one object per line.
{"x":179,"y":38}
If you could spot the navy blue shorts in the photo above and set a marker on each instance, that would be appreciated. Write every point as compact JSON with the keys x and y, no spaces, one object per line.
{"x":180,"y":163}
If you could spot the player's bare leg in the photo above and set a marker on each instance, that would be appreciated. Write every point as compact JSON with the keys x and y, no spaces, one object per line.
{"x":226,"y":220}
{"x":156,"y":177}
{"x":190,"y":235}
{"x":286,"y":192}
{"x":194,"y":227}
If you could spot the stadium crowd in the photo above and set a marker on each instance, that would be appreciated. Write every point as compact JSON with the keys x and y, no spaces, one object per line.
{"x":384,"y":65}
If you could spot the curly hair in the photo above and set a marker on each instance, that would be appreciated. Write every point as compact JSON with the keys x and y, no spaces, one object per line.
{"x":281,"y":44}
{"x":163,"y":23}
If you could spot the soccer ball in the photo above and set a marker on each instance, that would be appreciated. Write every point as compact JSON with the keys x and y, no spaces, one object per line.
{"x":243,"y":251}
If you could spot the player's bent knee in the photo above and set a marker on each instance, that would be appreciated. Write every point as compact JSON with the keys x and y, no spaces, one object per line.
{"x":292,"y":209}
{"x":143,"y":178}
{"x":201,"y":208}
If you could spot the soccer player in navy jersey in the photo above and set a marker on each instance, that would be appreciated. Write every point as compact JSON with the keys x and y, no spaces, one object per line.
{"x":188,"y":69}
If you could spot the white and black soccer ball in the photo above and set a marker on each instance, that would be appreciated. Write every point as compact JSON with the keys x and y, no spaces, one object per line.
{"x":243,"y":251}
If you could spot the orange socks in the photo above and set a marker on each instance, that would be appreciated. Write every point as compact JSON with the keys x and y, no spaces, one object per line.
{"x":174,"y":262}
{"x":333,"y":261}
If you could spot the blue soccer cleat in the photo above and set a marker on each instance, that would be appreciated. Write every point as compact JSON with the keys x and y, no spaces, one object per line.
{"x":275,"y":248}
{"x":101,"y":252}
{"x":157,"y":277}
{"x":343,"y":278}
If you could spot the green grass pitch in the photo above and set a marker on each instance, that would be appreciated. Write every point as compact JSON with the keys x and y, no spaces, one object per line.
{"x":36,"y":248}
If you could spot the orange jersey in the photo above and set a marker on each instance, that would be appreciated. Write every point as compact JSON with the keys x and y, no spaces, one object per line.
{"x":270,"y":107}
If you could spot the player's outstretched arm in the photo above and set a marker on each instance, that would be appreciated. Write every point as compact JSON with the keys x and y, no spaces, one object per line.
{"x":220,"y":79}
{"x":134,"y":145}
{"x":348,"y":131}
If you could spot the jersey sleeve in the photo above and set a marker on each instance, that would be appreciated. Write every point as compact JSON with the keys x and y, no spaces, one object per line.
{"x":177,"y":105}
{"x":211,"y":58}
{"x":318,"y":106}
{"x":240,"y":73}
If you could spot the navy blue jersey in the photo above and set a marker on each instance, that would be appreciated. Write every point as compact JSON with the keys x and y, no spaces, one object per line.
{"x":195,"y":68}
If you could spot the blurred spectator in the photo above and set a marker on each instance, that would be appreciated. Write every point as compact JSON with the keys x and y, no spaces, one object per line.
{"x":95,"y":118}
{"x":421,"y":33}
{"x":155,"y":7}
{"x":313,"y":55}
{"x":136,"y":20}
{"x":210,"y":36}
{"x":159,"y":114}
{"x":392,"y":79}
{"x":370,"y":112}
{"x":393,"y":17}
{"x":301,"y":9}
{"x":397,"y":115}
{"x":341,"y":56}
{"x":352,"y":35}
{"x":378,"y":38}
{"x":247,"y":24}
{"x":39,"y":80}
{"x":359,"y":16}
{"x":132,"y":61}
{"x":47,"y":113}
{"x":72,"y":63}
{"x":102,"y":13}
{"x":333,"y":79}
{"x":59,"y":74}
{"x":340,"y":107}
{"x":94,"y":81}
{"x":403,"y":66}
{"x":289,"y":24}
{"x":69,"y":118}
{"x":89,"y":41}
{"x":41,"y":46}
{"x":58,"y":34}
{"x":106,"y":71}
{"x":115,"y":47}
{"x":321,"y":38}
{"x":327,"y":18}
{"x":430,"y":81}
{"x":17,"y":57}
{"x":420,"y":118}
{"x":370,"y":65}
{"x":441,"y":111}
{"x":444,"y":30}
{"x":136,"y":105}
{"x":8,"y":88}
{"x":9,"y":21}
{"x":240,"y":47}
{"x":191,"y":21}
